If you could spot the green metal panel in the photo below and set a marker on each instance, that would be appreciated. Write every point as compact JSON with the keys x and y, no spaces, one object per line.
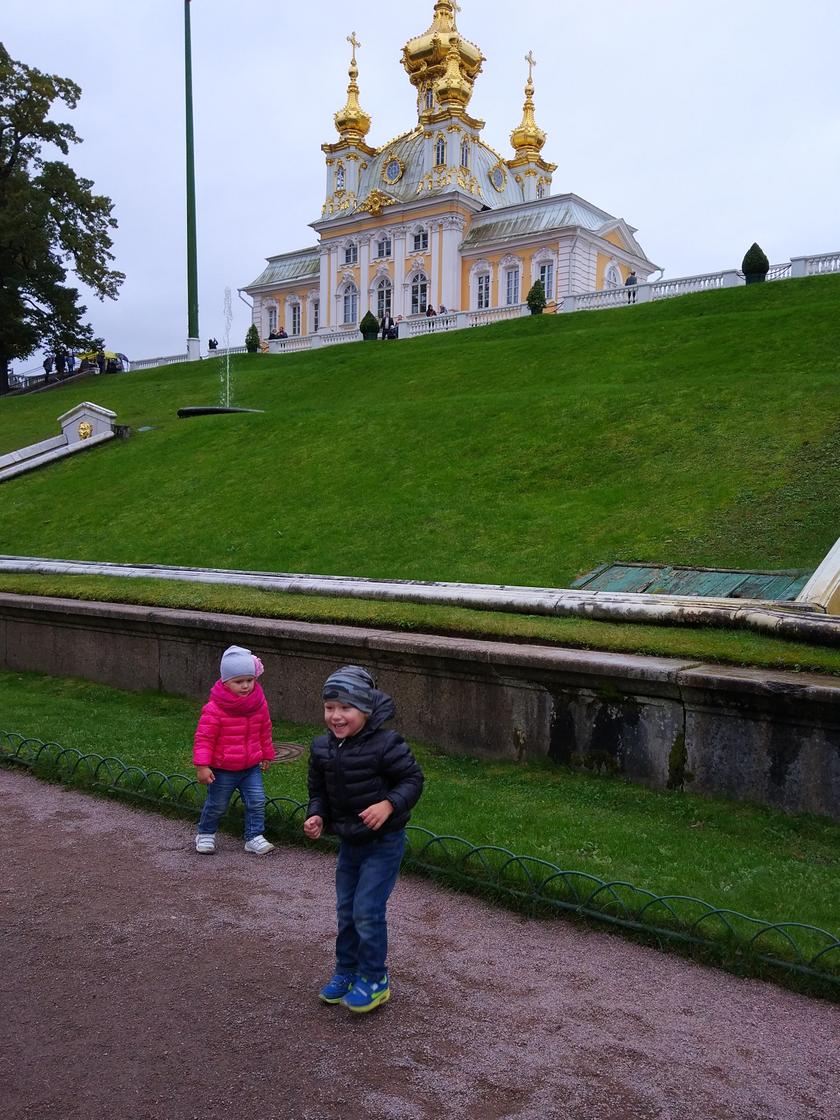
{"x":720,"y":583}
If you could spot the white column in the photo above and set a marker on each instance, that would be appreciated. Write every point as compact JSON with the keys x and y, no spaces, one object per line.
{"x":453,"y":298}
{"x":434,"y":237}
{"x":324,"y":290}
{"x":399,"y":271}
{"x":334,"y":274}
{"x":364,"y":276}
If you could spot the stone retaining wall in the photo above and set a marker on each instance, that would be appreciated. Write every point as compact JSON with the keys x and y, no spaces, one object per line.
{"x":763,"y":736}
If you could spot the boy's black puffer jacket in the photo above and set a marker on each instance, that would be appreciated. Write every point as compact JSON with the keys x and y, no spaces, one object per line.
{"x":348,"y":775}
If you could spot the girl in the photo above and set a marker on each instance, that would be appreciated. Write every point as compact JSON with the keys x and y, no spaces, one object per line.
{"x":232,"y":747}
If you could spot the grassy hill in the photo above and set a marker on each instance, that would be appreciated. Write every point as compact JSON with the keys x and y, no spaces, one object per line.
{"x":699,"y":430}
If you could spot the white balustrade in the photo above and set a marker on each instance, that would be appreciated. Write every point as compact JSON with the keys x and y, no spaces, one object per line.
{"x":418,"y":326}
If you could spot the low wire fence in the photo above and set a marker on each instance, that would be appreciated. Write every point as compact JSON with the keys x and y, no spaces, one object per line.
{"x":526,"y":881}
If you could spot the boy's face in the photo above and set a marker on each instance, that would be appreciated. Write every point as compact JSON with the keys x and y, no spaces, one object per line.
{"x":241,"y":686}
{"x":343,"y":719}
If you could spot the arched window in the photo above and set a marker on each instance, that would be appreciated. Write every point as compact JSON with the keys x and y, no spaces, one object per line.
{"x":340,"y":177}
{"x":351,"y":253}
{"x":482,"y":291}
{"x":511,"y":286}
{"x":294,"y":319}
{"x":430,"y":98}
{"x":419,"y":294}
{"x":316,"y":316}
{"x":272,"y":317}
{"x":440,"y":151}
{"x":421,"y":240}
{"x":465,"y":153}
{"x":541,"y":190}
{"x":351,"y":303}
{"x":612,"y":278}
{"x":383,"y":297}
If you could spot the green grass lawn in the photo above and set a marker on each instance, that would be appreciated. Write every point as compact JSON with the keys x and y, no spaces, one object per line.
{"x":751,"y":859}
{"x":733,"y":647}
{"x":701,"y":430}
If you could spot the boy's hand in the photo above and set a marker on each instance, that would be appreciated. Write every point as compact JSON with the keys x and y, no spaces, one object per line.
{"x":313,"y":827}
{"x":204,"y":775}
{"x":376,"y":815}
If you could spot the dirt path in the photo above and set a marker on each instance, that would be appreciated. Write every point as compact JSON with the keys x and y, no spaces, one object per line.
{"x":140,"y":981}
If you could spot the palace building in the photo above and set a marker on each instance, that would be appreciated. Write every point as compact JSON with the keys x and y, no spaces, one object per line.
{"x":436,"y":216}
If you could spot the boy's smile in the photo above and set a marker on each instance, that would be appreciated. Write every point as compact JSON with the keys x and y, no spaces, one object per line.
{"x":343,"y":719}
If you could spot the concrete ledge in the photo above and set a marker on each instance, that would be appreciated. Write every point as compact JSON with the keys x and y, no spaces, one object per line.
{"x":764,"y":736}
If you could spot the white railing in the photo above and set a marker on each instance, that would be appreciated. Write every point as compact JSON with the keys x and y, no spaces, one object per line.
{"x":150,"y":363}
{"x":418,"y":326}
{"x":432,"y":324}
{"x":816,"y":265}
{"x":495,"y":314}
{"x":290,"y":345}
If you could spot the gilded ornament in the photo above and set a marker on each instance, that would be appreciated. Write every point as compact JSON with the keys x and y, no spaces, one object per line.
{"x":393,"y":170}
{"x":85,"y":430}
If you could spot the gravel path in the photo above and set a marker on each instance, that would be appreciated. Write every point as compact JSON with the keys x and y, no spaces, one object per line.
{"x":143,"y":982}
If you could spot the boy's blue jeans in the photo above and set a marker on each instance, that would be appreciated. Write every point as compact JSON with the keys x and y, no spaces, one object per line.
{"x":364,"y":878}
{"x":250,"y":785}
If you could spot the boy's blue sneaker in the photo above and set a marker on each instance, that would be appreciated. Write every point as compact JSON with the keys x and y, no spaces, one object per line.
{"x":339,"y":986}
{"x":366,"y":994}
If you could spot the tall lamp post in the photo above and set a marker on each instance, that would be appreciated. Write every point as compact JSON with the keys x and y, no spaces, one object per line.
{"x":193,"y":337}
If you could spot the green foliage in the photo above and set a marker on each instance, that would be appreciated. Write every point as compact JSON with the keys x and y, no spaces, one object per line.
{"x":755,"y":262}
{"x":49,"y":216}
{"x":252,"y":339}
{"x":536,"y":297}
{"x":527,"y":452}
{"x":369,"y":325}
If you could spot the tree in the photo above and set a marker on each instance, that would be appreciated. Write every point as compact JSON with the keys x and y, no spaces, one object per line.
{"x":50,"y":221}
{"x":252,"y":339}
{"x":536,"y":297}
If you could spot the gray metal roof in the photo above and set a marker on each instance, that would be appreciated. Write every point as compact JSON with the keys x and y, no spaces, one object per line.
{"x":289,"y":266}
{"x":538,"y":217}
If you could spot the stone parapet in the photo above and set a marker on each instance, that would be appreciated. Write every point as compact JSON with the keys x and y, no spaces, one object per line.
{"x":769,"y":737}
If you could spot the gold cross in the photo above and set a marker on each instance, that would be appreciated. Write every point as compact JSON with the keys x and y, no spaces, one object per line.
{"x":456,"y":7}
{"x":532,"y":62}
{"x":354,"y":43}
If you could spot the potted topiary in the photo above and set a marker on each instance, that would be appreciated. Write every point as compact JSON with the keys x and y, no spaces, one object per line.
{"x":755,"y":265}
{"x":536,"y":298}
{"x":252,"y":339}
{"x":369,"y":327}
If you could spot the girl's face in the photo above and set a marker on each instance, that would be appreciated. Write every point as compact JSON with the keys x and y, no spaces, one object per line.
{"x":343,"y":719}
{"x":241,"y":686}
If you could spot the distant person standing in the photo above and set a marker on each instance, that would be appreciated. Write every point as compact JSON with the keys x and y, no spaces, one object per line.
{"x":630,"y":284}
{"x":212,"y":344}
{"x":48,"y":365}
{"x":60,"y":364}
{"x":71,"y":363}
{"x":100,"y":361}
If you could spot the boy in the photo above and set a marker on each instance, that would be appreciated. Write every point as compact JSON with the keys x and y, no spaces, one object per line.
{"x":363,"y":783}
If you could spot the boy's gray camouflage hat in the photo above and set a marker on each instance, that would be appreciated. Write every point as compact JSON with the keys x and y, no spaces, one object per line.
{"x":351,"y":685}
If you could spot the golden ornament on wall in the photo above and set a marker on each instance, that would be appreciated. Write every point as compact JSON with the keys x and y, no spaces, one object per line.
{"x":85,"y":430}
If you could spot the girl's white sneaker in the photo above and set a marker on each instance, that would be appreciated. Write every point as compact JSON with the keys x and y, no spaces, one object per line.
{"x":258,"y":845}
{"x":205,"y":843}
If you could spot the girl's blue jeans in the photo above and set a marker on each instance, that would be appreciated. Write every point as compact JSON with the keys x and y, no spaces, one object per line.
{"x":250,"y":785}
{"x":364,"y":878}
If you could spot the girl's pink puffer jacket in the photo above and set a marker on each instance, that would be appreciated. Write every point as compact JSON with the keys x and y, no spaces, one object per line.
{"x":234,"y":732}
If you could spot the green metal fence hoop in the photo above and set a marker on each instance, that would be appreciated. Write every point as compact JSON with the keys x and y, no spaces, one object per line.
{"x":486,"y":866}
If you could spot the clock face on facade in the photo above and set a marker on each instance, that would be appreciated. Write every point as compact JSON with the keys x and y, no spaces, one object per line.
{"x":393,"y":170}
{"x":497,"y":177}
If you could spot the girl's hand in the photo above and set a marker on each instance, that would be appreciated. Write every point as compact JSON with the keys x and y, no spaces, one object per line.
{"x":264,"y":765}
{"x":376,"y":815}
{"x":313,"y":827}
{"x":204,"y":775}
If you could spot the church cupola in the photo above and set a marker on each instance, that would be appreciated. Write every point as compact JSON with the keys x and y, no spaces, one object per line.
{"x":352,"y":122}
{"x":346,"y":159}
{"x":533,"y":173}
{"x":441,"y":54}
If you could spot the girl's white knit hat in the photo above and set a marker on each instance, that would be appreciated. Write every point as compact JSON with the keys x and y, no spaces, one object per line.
{"x":239,"y":662}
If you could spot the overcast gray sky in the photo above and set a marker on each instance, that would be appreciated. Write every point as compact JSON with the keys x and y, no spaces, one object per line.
{"x":706,"y":125}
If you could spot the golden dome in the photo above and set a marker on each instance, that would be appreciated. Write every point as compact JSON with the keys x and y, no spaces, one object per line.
{"x":453,"y":90}
{"x":352,"y":122}
{"x":427,"y":57}
{"x":528,"y":138}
